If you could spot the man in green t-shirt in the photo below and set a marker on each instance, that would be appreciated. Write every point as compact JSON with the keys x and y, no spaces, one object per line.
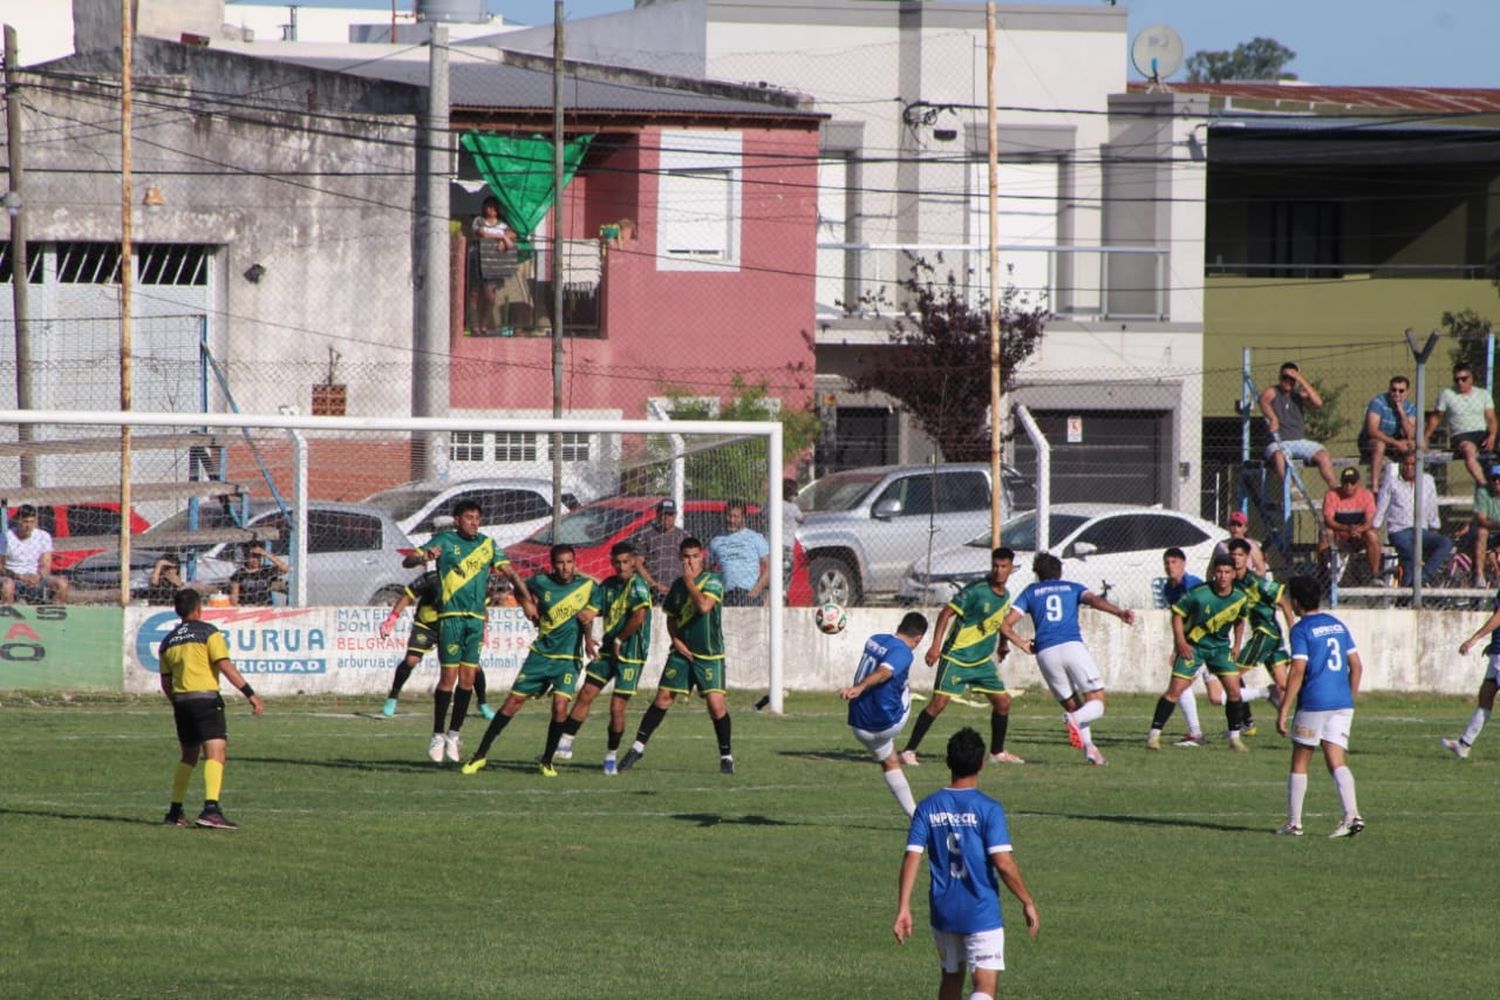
{"x":1486,"y":520}
{"x":565,"y":606}
{"x":1201,"y":622}
{"x":966,"y":648}
{"x":694,"y":623}
{"x":625,"y":606}
{"x":1472,"y":427}
{"x":464,"y":560}
{"x":1264,"y":645}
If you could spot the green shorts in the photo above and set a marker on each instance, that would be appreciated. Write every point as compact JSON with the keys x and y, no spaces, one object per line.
{"x":540,"y":674}
{"x":624,"y":673}
{"x":421,"y":641}
{"x":1218,"y":661}
{"x":1263,"y":649}
{"x":956,"y":678}
{"x":681,"y":675}
{"x":459,"y":639}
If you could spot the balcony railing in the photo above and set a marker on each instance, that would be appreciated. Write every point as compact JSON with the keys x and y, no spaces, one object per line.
{"x":1080,"y":282}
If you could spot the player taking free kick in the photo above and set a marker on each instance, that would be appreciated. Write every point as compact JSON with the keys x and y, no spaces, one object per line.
{"x":879,"y":699}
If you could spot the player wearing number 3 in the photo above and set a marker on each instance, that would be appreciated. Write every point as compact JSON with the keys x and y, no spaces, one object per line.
{"x":1065,"y":662}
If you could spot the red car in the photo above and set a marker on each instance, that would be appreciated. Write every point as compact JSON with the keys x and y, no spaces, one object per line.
{"x":65,"y":521}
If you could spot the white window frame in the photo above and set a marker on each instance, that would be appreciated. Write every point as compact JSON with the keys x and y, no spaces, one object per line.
{"x":515,"y":446}
{"x":573,"y":446}
{"x":696,"y":154}
{"x":466,"y":446}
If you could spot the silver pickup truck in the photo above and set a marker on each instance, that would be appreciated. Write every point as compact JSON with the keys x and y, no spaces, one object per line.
{"x":863,"y":528}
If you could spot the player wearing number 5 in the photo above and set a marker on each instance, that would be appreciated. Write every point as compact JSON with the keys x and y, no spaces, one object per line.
{"x":1065,"y":662}
{"x":1323,"y":682}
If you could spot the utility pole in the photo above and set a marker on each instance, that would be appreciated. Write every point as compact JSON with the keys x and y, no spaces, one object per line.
{"x":431,"y":250}
{"x":997,"y":494}
{"x":557,"y":259}
{"x":20,"y":261}
{"x":127,"y":273}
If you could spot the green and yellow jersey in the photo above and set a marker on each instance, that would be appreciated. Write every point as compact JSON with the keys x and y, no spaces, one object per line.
{"x":1265,"y":596}
{"x":617,"y":601}
{"x":463,"y":566}
{"x":702,"y":632}
{"x":426,"y":596}
{"x":559,"y":636}
{"x":191,"y":654}
{"x":978,"y":613}
{"x":1208,"y":618}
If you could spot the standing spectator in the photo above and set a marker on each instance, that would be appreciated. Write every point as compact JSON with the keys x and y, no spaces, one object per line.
{"x":1471,"y":420}
{"x":1284,"y":405}
{"x":1349,"y":522}
{"x":492,"y":263}
{"x":1239,"y":527}
{"x":1390,"y":422}
{"x":792,"y":518}
{"x":741,"y":556}
{"x":1396,"y":509}
{"x":261,"y":575}
{"x":658,"y":546}
{"x":1486,"y":517}
{"x":27,"y":563}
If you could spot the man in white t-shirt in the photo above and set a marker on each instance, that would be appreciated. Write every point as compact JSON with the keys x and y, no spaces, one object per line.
{"x":28,"y":563}
{"x":1471,"y":420}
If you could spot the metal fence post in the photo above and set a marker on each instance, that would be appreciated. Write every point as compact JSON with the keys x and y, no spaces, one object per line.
{"x":1421,"y":354}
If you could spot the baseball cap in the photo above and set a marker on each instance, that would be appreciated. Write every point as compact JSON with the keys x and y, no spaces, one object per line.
{"x":1352,"y":475}
{"x":667,"y":507}
{"x":1238,"y":517}
{"x":1494,"y":471}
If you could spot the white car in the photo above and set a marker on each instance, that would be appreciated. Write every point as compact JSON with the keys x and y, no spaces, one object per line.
{"x":510,"y":509}
{"x":1113,"y":549}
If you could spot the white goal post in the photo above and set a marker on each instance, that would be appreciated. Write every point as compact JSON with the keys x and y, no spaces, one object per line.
{"x":291,"y":460}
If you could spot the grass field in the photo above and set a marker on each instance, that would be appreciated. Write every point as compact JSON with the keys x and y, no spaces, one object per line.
{"x":363,"y":871}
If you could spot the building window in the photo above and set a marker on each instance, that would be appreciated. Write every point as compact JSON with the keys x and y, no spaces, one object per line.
{"x":466,"y":446}
{"x":88,"y":263}
{"x":698,"y":201}
{"x":574,"y":446}
{"x":515,"y":446}
{"x":33,"y":263}
{"x":172,"y":264}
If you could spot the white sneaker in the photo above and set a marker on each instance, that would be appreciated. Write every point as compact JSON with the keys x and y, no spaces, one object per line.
{"x":1457,"y":748}
{"x":1235,"y":743}
{"x":1290,"y":830}
{"x":435,"y":748}
{"x":1191,"y":740}
{"x":909,"y":758}
{"x":1348,"y":827}
{"x":1153,"y":739}
{"x":1005,"y":757}
{"x":1092,"y":755}
{"x":450,"y":747}
{"x":564,"y":751}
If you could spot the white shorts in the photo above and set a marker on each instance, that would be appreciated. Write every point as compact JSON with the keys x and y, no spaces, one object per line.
{"x":984,"y":950}
{"x":1311,"y":728}
{"x":1069,"y":667}
{"x":880,"y":744}
{"x":1300,"y":450}
{"x":1493,"y":673}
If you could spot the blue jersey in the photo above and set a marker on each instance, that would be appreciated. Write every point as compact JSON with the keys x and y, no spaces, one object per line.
{"x":960,"y":828}
{"x":1173,"y":592}
{"x":886,"y":704}
{"x":1053,"y":607}
{"x":1325,"y":643}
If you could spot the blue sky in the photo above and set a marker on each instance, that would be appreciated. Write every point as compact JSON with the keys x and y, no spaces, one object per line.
{"x":1372,"y":42}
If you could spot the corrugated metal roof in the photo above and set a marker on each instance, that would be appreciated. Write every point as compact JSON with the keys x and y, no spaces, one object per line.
{"x":1426,"y":99}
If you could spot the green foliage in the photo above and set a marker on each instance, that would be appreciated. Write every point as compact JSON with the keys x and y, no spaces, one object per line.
{"x":1257,"y":59}
{"x":1469,"y":332}
{"x":355,"y":852}
{"x":1326,"y":423}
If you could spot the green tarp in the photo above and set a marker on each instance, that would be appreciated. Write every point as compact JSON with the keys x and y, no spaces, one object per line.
{"x":519,"y":174}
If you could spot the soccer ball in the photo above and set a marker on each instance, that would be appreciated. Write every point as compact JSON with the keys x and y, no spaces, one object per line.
{"x":831,"y":619}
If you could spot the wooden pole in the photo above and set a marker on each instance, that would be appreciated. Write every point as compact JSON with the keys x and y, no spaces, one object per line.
{"x":20,"y":262}
{"x":557,"y":260}
{"x":997,"y":514}
{"x":127,"y":273}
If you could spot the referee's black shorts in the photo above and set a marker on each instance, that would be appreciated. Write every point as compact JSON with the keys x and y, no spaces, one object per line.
{"x":200,"y":720}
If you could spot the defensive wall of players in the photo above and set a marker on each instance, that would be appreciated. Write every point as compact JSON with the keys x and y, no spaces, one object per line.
{"x":339,"y":650}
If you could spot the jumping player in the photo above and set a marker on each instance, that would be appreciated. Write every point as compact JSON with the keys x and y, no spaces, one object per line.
{"x":879,"y":699}
{"x":1057,"y":643}
{"x":1323,"y":682}
{"x":425,"y":592}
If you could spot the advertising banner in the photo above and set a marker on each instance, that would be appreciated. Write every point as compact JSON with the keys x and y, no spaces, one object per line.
{"x":56,"y":648}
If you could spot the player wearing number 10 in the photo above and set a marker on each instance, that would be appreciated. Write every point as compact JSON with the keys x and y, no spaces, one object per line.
{"x":879,"y":699}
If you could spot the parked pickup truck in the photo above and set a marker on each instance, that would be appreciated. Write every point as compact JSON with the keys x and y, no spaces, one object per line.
{"x":864,"y":528}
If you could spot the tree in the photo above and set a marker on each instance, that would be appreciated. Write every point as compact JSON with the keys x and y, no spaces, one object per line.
{"x":938,"y":364}
{"x":1257,"y":59}
{"x":1326,"y":423}
{"x":1470,"y":333}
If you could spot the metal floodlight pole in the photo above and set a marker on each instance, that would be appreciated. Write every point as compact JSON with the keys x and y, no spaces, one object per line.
{"x":1421,"y":354}
{"x":557,"y":260}
{"x":996,"y":492}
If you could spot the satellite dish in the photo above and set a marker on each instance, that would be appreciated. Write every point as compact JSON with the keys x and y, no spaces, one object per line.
{"x":1157,"y":52}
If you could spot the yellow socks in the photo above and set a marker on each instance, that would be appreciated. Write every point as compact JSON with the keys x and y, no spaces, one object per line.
{"x":180,"y":780}
{"x":213,"y":780}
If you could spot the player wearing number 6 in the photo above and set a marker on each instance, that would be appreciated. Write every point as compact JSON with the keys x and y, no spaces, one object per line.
{"x":1065,"y":662}
{"x":1322,"y":683}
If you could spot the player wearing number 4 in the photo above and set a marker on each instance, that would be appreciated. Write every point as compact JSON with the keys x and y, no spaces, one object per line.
{"x":879,"y":699}
{"x":1065,"y":662}
{"x":1323,"y":683}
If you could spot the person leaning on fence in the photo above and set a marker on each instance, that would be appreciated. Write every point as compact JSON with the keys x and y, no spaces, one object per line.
{"x":1349,"y":522}
{"x":1471,"y":420}
{"x":1396,"y":509}
{"x":1390,"y":423}
{"x":1284,"y":405}
{"x":1486,"y":519}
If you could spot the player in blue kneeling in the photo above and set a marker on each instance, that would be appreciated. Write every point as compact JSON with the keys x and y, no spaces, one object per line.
{"x":879,"y":699}
{"x":1322,"y":684}
{"x":964,"y":834}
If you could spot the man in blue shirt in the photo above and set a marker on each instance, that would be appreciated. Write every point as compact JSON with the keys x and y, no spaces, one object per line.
{"x":964,"y":834}
{"x":1322,"y":683}
{"x":741,"y":557}
{"x":1390,"y":423}
{"x":1057,"y":643}
{"x":879,"y":699}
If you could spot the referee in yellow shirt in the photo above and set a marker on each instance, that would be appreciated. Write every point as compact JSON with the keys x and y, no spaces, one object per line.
{"x":192,"y":658}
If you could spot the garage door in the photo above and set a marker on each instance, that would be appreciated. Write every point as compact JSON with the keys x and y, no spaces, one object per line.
{"x":1117,"y":456}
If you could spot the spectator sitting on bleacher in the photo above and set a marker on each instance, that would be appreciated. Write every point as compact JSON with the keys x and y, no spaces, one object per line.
{"x":26,"y":567}
{"x":1284,"y":405}
{"x":1486,"y":519}
{"x":1349,"y":522}
{"x":262,"y":574}
{"x":1396,"y":509}
{"x":1390,"y":422}
{"x":1471,"y":420}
